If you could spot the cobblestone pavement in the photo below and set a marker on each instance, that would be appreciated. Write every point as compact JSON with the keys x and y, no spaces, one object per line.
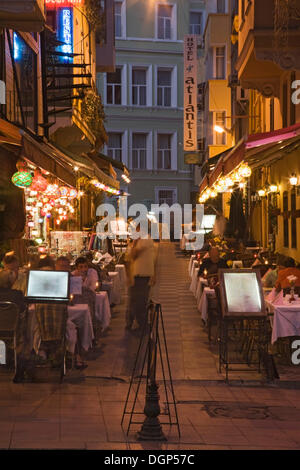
{"x":85,"y":411}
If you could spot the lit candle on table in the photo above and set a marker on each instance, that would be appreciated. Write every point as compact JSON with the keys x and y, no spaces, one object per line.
{"x":205,"y":272}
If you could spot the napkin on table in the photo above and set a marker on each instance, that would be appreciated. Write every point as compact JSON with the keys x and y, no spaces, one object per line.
{"x":278,"y":299}
{"x":272,"y":295}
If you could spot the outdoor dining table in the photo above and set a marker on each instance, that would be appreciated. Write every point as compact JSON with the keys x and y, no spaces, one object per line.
{"x":192,"y":258}
{"x":202,"y":305}
{"x":79,"y":318}
{"x":102,"y":309}
{"x":202,"y":282}
{"x":116,"y":287}
{"x":120,"y":268}
{"x":286,"y":318}
{"x":194,"y":282}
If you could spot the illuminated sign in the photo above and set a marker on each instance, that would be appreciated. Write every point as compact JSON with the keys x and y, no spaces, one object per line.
{"x":63,"y":3}
{"x":65,"y":31}
{"x":17,"y":47}
{"x":190,"y":93}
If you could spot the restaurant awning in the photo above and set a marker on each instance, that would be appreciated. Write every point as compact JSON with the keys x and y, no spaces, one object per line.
{"x":10,"y":134}
{"x":257,"y":150}
{"x":114,"y":163}
{"x":47,"y":157}
{"x":88,"y":166}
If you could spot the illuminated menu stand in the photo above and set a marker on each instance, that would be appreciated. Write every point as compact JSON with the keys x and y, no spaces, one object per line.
{"x":243,"y":320}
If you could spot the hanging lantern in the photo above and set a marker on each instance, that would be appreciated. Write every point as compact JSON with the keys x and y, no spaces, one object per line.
{"x":53,"y":190}
{"x":64,"y":191}
{"x":72,"y":193}
{"x":23,"y":177}
{"x":39,"y":183}
{"x":245,"y":171}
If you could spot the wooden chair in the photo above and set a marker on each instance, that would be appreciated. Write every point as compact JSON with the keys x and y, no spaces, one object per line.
{"x":52,"y":322}
{"x":9,"y":316}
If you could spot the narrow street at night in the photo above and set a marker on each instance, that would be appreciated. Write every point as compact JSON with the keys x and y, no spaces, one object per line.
{"x":149,"y":229}
{"x":85,"y":411}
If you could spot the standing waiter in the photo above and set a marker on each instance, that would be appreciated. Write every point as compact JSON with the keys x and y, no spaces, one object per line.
{"x":142,"y":256}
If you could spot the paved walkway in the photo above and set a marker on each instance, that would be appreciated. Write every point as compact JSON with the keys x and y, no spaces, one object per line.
{"x":85,"y":411}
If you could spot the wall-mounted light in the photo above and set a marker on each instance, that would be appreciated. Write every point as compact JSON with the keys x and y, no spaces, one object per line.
{"x":273,"y":188}
{"x":261,"y":193}
{"x":293,"y":180}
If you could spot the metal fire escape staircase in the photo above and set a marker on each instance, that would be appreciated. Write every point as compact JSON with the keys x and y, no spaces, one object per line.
{"x":65,"y":81}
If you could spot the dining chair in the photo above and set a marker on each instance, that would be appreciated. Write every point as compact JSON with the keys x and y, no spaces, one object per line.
{"x":9,"y":316}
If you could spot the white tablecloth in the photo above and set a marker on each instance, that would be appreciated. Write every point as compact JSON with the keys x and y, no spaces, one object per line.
{"x":194,"y":283}
{"x":192,"y":258}
{"x":116,"y":288}
{"x":102,"y":309}
{"x":237,"y":264}
{"x":200,"y":286}
{"x":80,"y":317}
{"x":120,"y":268}
{"x":203,"y":302}
{"x":286,"y":320}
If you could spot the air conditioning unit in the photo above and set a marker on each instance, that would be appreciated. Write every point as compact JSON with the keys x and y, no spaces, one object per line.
{"x":242,"y":94}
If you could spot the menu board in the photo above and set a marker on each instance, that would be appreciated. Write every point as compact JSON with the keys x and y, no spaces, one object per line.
{"x":241,"y":293}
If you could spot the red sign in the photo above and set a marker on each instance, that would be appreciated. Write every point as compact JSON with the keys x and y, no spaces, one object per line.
{"x":63,"y":3}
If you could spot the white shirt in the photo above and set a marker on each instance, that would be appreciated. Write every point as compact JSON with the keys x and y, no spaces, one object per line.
{"x":143,"y":264}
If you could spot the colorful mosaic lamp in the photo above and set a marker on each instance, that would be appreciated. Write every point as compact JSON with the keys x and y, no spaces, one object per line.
{"x":23,"y":177}
{"x":39,"y":183}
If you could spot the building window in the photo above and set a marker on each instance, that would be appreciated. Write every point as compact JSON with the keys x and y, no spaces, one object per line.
{"x":166,"y":196}
{"x":164,"y":87}
{"x":164,"y":146}
{"x":164,"y":21}
{"x":115,"y":146}
{"x":26,"y":75}
{"x":220,"y":138}
{"x":118,"y":19}
{"x":221,"y":6}
{"x":195,"y":22}
{"x":139,"y":87}
{"x":139,"y":151}
{"x":285,"y":220}
{"x":220,"y":62}
{"x":293,"y":219}
{"x":114,"y":87}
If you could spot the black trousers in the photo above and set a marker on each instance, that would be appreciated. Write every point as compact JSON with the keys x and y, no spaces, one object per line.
{"x":139,"y":296}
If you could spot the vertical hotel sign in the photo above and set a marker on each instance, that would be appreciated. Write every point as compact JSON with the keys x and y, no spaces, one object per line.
{"x":190,"y":93}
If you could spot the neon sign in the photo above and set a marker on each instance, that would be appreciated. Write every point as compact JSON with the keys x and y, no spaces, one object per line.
{"x":65,"y":31}
{"x":63,"y":3}
{"x":17,"y":47}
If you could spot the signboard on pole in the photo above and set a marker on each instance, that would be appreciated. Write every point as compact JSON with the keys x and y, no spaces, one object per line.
{"x":190,"y":93}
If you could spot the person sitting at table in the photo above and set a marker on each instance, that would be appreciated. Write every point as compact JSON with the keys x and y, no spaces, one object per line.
{"x":287,"y":269}
{"x":211,"y":264}
{"x":87,"y":297}
{"x":96,"y":267}
{"x":46,"y":263}
{"x":89,"y":275}
{"x":270,"y":278}
{"x":11,"y":263}
{"x":8,"y":294}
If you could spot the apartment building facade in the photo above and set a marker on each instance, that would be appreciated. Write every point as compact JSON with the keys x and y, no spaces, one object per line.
{"x":143,"y":98}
